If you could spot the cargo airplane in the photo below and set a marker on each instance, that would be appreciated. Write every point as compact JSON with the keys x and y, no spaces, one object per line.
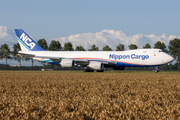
{"x":92,"y":60}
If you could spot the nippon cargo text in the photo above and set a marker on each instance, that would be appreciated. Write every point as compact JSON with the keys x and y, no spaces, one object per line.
{"x":132,"y":56}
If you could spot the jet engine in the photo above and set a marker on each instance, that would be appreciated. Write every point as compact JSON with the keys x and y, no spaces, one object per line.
{"x":96,"y":65}
{"x":67,"y":63}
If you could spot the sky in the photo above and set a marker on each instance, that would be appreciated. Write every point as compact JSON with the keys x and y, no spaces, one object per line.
{"x":99,"y":22}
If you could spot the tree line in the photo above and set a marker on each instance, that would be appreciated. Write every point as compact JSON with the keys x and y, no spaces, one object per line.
{"x":173,"y":49}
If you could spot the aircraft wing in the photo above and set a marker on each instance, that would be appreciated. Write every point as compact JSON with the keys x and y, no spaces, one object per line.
{"x":77,"y":61}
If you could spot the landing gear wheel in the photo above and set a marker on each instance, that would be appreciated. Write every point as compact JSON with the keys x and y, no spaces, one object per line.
{"x":156,"y":71}
{"x":100,"y":70}
{"x":91,"y":70}
{"x":88,"y":70}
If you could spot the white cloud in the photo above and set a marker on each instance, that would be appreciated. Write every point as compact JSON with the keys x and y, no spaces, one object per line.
{"x":7,"y":36}
{"x":113,"y":38}
{"x":3,"y":32}
{"x":102,"y":38}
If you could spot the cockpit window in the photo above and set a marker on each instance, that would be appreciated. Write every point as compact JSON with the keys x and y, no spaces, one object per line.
{"x":160,"y":51}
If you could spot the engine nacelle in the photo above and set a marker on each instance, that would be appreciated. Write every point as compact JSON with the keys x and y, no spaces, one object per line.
{"x":67,"y":63}
{"x":96,"y":65}
{"x":118,"y":68}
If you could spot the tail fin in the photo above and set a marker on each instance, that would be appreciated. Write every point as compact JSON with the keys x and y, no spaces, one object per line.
{"x":26,"y":42}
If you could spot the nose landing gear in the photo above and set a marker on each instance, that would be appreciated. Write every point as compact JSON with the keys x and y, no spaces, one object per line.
{"x":156,"y":69}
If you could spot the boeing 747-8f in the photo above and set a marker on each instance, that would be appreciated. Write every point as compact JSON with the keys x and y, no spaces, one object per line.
{"x":92,"y":60}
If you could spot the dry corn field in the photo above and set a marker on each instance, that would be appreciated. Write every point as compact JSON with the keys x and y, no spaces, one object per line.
{"x":89,"y":96}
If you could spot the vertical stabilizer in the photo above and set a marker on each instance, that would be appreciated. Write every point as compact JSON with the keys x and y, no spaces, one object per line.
{"x":26,"y":42}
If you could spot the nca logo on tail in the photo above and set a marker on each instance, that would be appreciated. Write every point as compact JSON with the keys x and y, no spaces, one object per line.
{"x":27,"y":41}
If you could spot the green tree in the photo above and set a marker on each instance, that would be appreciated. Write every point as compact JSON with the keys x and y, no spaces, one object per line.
{"x":68,"y":46}
{"x":32,"y":62}
{"x":120,"y":47}
{"x":5,"y":53}
{"x":132,"y":46}
{"x":93,"y":48}
{"x":79,"y":48}
{"x":175,"y":66}
{"x":28,"y":59}
{"x":16,"y":57}
{"x":174,"y":50}
{"x":160,"y":45}
{"x":55,"y":46}
{"x":42,"y":43}
{"x":106,"y":48}
{"x":147,"y":45}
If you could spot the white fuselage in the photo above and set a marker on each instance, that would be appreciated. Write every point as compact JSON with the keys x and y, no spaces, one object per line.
{"x":139,"y":57}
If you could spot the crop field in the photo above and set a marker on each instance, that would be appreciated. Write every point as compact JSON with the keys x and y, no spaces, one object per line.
{"x":89,"y":96}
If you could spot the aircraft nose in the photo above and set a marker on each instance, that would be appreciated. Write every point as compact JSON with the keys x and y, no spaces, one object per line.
{"x":171,"y":58}
{"x":167,"y":58}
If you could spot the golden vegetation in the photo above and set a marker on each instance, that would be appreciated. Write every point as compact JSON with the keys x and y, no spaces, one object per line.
{"x":46,"y":95}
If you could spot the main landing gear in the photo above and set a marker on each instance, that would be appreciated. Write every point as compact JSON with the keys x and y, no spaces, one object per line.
{"x":100,"y":70}
{"x":88,"y":70}
{"x":91,"y":70}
